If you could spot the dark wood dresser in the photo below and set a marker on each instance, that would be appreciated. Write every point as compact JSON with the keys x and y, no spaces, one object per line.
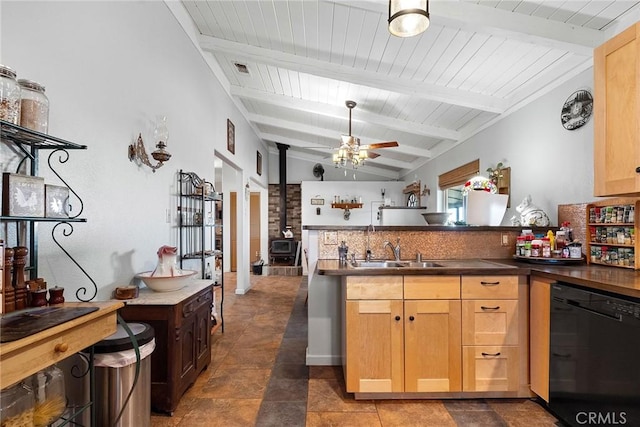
{"x":182,"y":323}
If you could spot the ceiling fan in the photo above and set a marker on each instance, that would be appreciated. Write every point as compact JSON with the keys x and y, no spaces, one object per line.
{"x":350,"y":149}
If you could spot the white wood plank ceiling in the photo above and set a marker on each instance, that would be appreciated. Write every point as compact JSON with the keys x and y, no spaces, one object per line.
{"x":479,"y":61}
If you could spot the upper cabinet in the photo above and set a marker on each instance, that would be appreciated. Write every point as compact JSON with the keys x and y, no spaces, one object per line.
{"x":617,"y":107}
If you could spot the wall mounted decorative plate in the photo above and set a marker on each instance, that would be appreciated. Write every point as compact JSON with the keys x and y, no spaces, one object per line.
{"x":577,"y":110}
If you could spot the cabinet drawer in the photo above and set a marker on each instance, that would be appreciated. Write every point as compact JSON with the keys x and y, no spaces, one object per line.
{"x":490,"y":322}
{"x":489,"y":287}
{"x":490,"y":368}
{"x":192,"y":304}
{"x":374,"y":287}
{"x":432,"y":287}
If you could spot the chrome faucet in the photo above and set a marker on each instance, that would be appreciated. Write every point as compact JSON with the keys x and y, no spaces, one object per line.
{"x":370,"y":229}
{"x":396,"y":249}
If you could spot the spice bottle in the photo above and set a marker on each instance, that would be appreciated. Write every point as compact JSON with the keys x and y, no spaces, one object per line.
{"x":546,"y":247}
{"x":9,"y":96}
{"x":34,"y":106}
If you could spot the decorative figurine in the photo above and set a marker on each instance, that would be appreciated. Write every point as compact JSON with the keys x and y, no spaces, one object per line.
{"x":530,"y":214}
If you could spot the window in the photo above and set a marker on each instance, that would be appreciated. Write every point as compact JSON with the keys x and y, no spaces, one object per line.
{"x":451,"y":184}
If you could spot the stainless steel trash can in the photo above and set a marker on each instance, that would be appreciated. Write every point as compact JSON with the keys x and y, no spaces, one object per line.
{"x":115,"y":369}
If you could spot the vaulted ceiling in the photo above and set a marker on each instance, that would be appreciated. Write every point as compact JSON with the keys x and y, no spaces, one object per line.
{"x":478,"y":61}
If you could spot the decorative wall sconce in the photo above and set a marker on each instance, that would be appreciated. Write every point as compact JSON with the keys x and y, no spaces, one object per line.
{"x":138,"y":153}
{"x":408,"y":17}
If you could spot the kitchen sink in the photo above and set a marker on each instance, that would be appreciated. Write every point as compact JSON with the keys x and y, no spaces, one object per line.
{"x":378,"y":264}
{"x":440,"y":263}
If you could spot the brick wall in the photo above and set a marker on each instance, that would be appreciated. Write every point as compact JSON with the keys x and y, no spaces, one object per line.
{"x":294,"y":215}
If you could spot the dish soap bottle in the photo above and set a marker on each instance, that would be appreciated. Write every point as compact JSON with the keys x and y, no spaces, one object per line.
{"x":207,"y":272}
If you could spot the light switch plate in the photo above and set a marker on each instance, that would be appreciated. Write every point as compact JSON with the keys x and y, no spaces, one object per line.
{"x":505,"y":239}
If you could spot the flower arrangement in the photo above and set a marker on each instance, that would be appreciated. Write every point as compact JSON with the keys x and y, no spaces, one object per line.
{"x":495,"y":173}
{"x":480,"y":183}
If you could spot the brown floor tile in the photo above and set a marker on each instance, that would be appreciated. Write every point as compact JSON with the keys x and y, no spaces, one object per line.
{"x":408,"y":413}
{"x":236,"y":384}
{"x":326,"y":395}
{"x":165,"y":421}
{"x":222,"y":413}
{"x":475,"y":418}
{"x":327,"y":372}
{"x":258,"y":338}
{"x":250,"y":358}
{"x":341,"y":419}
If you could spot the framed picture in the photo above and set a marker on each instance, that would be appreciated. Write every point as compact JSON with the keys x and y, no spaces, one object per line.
{"x":259,"y":164}
{"x":56,"y":201}
{"x":231,"y":137}
{"x":22,"y":195}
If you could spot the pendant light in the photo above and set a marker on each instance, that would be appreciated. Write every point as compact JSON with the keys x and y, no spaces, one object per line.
{"x":408,"y":17}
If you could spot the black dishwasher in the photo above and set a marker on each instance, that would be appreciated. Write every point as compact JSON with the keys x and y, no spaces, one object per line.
{"x":594,"y":374}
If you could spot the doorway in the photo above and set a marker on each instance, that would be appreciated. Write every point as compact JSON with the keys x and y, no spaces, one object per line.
{"x":254,"y":227}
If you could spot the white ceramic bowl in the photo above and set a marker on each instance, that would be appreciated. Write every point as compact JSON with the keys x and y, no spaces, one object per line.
{"x":435,"y":218}
{"x":166,"y":283}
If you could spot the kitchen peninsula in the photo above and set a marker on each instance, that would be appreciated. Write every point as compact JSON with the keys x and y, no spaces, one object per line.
{"x":334,"y":286}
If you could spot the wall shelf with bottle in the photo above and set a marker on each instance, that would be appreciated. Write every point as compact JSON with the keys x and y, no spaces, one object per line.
{"x":611,"y":233}
{"x":346,"y":205}
{"x":200,"y":231}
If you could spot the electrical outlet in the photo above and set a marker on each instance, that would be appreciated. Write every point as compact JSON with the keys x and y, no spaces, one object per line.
{"x":505,"y":239}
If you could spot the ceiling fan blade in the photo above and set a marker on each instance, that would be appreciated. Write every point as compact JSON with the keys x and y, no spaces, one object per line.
{"x":385,"y":144}
{"x":372,"y":155}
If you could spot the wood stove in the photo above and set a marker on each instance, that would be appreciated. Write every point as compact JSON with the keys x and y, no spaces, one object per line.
{"x":283,"y":250}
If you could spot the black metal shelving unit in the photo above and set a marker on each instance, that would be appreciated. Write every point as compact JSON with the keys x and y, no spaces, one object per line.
{"x":27,"y":145}
{"x":200,"y":228}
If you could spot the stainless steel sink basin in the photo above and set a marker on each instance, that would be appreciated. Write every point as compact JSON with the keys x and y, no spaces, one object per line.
{"x":378,"y":264}
{"x":422,"y":264}
{"x":440,"y":263}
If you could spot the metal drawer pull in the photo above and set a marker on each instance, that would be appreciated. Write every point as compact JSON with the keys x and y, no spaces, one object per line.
{"x":491,"y":354}
{"x":497,"y":307}
{"x":489,"y":283}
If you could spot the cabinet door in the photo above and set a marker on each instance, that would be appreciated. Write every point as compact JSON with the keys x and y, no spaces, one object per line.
{"x":540,"y":316}
{"x":432,"y":346}
{"x":490,"y":322}
{"x":203,"y":334}
{"x":490,"y":368}
{"x":374,"y":346}
{"x":187,"y":350}
{"x":616,"y":110}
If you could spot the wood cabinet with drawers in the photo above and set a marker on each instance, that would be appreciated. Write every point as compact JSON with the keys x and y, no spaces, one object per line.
{"x":490,"y":333}
{"x":182,"y":325}
{"x":436,"y":334}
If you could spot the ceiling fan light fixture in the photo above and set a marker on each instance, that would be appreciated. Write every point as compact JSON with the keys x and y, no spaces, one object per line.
{"x":408,"y":18}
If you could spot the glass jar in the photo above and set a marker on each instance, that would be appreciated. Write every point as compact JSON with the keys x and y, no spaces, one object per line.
{"x":16,"y":406}
{"x":49,"y":394}
{"x":34,"y":106}
{"x":9,"y":96}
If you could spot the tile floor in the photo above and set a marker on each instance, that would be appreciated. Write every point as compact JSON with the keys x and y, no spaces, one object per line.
{"x":258,"y":377}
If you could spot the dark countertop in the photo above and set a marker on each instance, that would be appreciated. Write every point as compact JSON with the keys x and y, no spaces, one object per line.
{"x":622,"y":281}
{"x":537,"y":230}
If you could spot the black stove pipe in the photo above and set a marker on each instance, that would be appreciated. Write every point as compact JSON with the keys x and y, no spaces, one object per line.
{"x":282,"y":164}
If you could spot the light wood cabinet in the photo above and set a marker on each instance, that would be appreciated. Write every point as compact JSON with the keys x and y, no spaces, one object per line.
{"x":490,"y":333}
{"x":436,"y":334}
{"x":616,"y":111}
{"x":402,"y":346}
{"x":490,"y":368}
{"x":540,"y":300}
{"x":490,"y":322}
{"x":432,"y":346}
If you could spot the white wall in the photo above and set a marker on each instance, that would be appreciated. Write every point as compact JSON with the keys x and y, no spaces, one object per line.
{"x":108,"y":69}
{"x":552,"y":164}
